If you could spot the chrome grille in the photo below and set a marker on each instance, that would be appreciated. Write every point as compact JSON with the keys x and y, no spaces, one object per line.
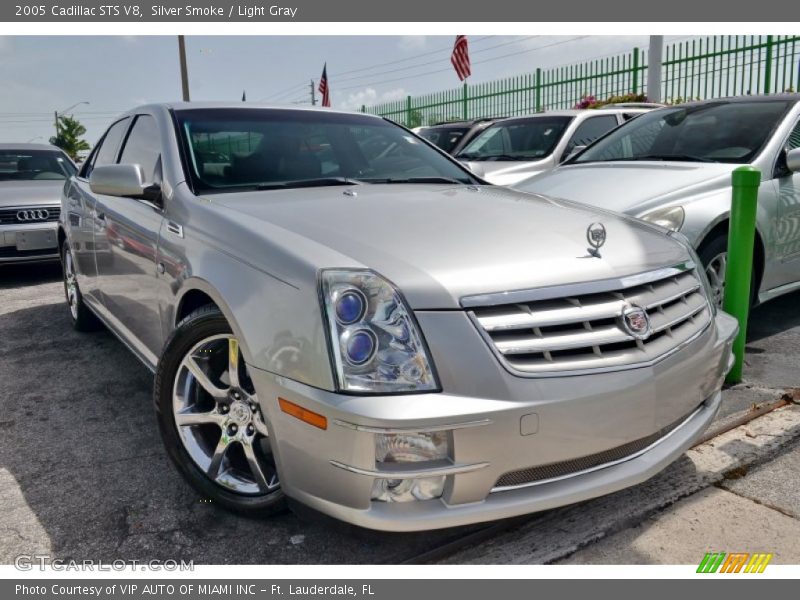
{"x":585,"y":330}
{"x":9,"y":215}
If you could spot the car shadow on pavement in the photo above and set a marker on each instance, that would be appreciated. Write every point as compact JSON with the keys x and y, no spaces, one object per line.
{"x":13,"y":276}
{"x":774,"y":317}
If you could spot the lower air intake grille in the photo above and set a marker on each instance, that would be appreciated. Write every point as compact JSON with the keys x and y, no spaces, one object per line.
{"x":576,"y":465}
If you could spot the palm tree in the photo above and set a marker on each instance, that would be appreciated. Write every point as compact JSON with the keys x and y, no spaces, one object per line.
{"x":68,"y":139}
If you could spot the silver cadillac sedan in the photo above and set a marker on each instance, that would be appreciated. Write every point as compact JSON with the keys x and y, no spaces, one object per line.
{"x":31,"y":178}
{"x":341,"y":315}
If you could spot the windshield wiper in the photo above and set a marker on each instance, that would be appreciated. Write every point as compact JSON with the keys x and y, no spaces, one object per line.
{"x":302,"y":183}
{"x":416,"y":180}
{"x":501,"y":157}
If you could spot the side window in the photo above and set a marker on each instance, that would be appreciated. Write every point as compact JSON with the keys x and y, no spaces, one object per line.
{"x":588,"y":131}
{"x":794,"y":138}
{"x":106,"y":152}
{"x":143,"y":146}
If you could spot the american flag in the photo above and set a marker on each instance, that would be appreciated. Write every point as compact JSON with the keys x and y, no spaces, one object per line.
{"x":323,"y":87}
{"x":460,"y":57}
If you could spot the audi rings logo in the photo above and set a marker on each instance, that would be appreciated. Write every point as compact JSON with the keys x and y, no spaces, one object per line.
{"x":36,"y":214}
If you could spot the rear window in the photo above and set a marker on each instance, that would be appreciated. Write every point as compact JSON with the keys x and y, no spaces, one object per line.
{"x":517,"y":139}
{"x":30,"y":165}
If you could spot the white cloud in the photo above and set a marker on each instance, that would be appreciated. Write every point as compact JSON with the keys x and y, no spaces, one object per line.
{"x":368,"y":97}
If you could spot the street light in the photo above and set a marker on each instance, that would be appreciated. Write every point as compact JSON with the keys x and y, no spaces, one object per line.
{"x":67,"y":109}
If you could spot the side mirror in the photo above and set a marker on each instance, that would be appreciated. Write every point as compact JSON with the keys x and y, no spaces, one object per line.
{"x":118,"y":180}
{"x":793,"y":160}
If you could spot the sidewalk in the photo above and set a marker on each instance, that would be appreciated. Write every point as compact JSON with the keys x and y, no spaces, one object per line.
{"x":757,"y":512}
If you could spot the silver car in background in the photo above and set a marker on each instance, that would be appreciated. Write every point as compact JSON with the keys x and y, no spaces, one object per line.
{"x":513,"y":149}
{"x":31,"y":178}
{"x":673,"y":167}
{"x":340,"y":314}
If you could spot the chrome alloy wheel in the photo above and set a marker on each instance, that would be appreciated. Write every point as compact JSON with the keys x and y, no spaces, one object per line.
{"x":71,"y":284}
{"x":218,"y":418}
{"x":715,"y":271}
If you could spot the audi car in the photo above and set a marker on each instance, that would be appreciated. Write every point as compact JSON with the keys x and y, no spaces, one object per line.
{"x":31,"y":178}
{"x":381,"y":336}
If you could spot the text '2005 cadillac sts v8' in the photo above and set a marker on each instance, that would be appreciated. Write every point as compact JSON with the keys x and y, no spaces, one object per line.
{"x":338,"y":313}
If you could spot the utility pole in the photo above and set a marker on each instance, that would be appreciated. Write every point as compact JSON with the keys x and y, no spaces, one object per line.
{"x":184,"y":72}
{"x":654,"y":59}
{"x":313,"y":94}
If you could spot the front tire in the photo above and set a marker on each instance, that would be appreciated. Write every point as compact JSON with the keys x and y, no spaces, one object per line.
{"x":210,"y":420}
{"x":714,"y":256}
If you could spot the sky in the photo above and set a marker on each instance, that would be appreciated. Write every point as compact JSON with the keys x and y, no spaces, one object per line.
{"x":43,"y":74}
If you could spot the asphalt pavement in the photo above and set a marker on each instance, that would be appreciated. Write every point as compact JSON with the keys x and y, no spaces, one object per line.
{"x":83,"y":473}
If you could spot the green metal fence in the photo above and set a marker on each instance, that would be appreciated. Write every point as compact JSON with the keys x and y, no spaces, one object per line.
{"x":710,"y":67}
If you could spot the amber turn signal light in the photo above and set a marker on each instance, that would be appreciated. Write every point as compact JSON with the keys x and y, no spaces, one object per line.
{"x":305,"y":415}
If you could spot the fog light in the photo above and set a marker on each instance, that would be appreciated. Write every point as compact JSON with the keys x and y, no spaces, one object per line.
{"x":410,"y":448}
{"x":407,"y":490}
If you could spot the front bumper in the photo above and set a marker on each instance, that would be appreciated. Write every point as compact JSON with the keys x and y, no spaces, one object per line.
{"x":29,"y":243}
{"x":491,"y":433}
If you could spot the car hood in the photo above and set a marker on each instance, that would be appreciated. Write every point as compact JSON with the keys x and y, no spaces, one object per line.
{"x":31,"y":193}
{"x":439,"y":243}
{"x":631,"y":187}
{"x":506,"y":172}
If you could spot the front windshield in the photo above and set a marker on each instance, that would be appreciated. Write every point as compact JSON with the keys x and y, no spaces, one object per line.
{"x":517,"y":139}
{"x":235,"y":149}
{"x":30,"y":165}
{"x":445,"y":138}
{"x":724,"y":132}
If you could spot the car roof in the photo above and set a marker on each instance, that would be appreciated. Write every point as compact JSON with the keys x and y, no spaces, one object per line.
{"x":28,"y":146}
{"x":184,"y":106}
{"x":465,"y":123}
{"x":790,"y":96}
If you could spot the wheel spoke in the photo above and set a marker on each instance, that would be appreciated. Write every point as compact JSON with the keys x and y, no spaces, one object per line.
{"x":190,"y":363}
{"x":255,"y":467}
{"x":260,"y":426}
{"x":233,"y":362}
{"x":187,"y":417}
{"x":216,"y":460}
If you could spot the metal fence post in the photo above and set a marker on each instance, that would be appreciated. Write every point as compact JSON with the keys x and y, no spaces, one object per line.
{"x":538,"y":90}
{"x":408,"y":111}
{"x":464,"y":100}
{"x":635,"y":70}
{"x":768,"y":66}
{"x":739,"y":271}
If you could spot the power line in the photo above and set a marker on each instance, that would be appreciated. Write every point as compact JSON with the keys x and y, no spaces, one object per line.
{"x":433,"y":62}
{"x":474,"y":63}
{"x":288,"y":91}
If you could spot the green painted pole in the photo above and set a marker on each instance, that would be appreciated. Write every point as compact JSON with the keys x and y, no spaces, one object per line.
{"x":768,"y":66}
{"x":408,"y":112}
{"x":635,"y":86}
{"x":538,"y":90}
{"x":739,"y":272}
{"x":465,"y":100}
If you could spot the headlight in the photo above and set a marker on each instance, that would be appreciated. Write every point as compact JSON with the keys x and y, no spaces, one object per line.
{"x":375,"y":342}
{"x":668,"y":218}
